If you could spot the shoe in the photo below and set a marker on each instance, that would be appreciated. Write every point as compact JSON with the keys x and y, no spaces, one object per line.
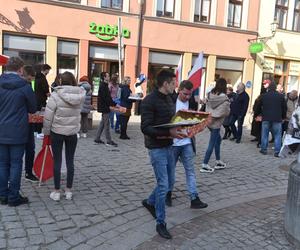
{"x":68,"y":195}
{"x":232,"y":139}
{"x":117,"y":131}
{"x":40,"y":136}
{"x":111,"y":143}
{"x":169,"y":199}
{"x":3,"y":200}
{"x":276,"y":155}
{"x":78,"y":136}
{"x":220,"y":165}
{"x":205,"y":168}
{"x":84,"y":135}
{"x":224,"y":137}
{"x":31,"y":178}
{"x":124,"y":137}
{"x":149,"y":207}
{"x":197,"y":203}
{"x":22,"y":200}
{"x":238,"y":141}
{"x":255,"y":139}
{"x":161,"y":229}
{"x":263,"y":152}
{"x":99,"y":141}
{"x":55,"y":196}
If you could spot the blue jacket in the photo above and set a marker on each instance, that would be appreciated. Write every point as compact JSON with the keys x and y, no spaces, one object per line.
{"x":87,"y":105}
{"x":125,"y":93}
{"x":239,"y":106}
{"x":17,"y":99}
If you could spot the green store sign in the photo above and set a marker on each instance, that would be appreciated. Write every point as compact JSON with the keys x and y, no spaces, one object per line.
{"x":107,"y":32}
{"x":256,"y":47}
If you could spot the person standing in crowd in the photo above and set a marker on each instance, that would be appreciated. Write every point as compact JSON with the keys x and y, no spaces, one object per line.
{"x":126,"y":103}
{"x":185,"y":149}
{"x":239,"y":109}
{"x":158,"y":108}
{"x":87,"y":106}
{"x":28,"y":75}
{"x":291,"y":103}
{"x":42,"y":93}
{"x":104,"y":102}
{"x":226,"y":123}
{"x":56,"y":82}
{"x":113,"y":87}
{"x":62,"y":123}
{"x":219,"y":106}
{"x":273,"y":110}
{"x":16,"y":101}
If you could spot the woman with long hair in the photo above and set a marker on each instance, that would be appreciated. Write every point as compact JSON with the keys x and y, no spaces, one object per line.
{"x":62,"y":123}
{"x":219,"y":106}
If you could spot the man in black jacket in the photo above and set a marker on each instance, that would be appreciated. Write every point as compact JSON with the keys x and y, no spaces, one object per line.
{"x":156,"y":109}
{"x":104,"y":102}
{"x":273,"y":110}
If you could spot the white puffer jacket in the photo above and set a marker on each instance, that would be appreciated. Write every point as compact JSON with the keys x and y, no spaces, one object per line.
{"x":62,"y":114}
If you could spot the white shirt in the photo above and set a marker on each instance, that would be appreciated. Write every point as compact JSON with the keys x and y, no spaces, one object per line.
{"x":181,"y":142}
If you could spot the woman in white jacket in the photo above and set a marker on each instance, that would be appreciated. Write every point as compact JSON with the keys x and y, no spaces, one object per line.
{"x":62,"y":123}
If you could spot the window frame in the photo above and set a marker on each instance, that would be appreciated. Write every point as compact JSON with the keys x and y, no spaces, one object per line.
{"x":235,"y":3}
{"x":164,"y":10}
{"x":282,"y":7}
{"x":296,"y":10}
{"x":110,"y":5}
{"x":201,"y":11}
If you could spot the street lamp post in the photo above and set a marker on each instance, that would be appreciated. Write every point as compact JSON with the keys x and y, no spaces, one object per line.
{"x":274,"y":26}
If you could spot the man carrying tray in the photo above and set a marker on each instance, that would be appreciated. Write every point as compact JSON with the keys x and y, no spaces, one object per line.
{"x":158,"y":108}
{"x":185,"y":149}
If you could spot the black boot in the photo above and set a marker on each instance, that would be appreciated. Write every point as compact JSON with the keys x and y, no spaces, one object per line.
{"x":161,"y":229}
{"x":169,"y":199}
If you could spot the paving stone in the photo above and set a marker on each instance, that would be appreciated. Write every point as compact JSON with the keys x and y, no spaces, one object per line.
{"x":58,"y":245}
{"x":75,"y":239}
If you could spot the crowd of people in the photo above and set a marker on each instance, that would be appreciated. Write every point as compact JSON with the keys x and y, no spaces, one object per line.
{"x":67,"y":106}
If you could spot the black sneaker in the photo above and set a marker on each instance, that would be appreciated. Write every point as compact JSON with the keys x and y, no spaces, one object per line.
{"x":31,"y":178}
{"x":161,"y":229}
{"x":111,"y":143}
{"x":263,"y":152}
{"x":22,"y":200}
{"x":276,"y":154}
{"x":169,"y":199}
{"x":99,"y":141}
{"x":3,"y":200}
{"x":149,"y":207}
{"x":197,"y":203}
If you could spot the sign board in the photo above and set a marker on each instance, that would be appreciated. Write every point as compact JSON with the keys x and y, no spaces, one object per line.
{"x":278,"y":67}
{"x":268,"y":65}
{"x":248,"y":84}
{"x":294,"y":69}
{"x":256,"y":47}
{"x":107,"y":32}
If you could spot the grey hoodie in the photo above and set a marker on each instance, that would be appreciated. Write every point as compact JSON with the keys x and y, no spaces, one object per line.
{"x":219,"y":107}
{"x":62,"y":114}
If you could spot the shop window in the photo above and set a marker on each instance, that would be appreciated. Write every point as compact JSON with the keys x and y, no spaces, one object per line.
{"x":67,"y":57}
{"x":296,"y":22}
{"x":202,"y":11}
{"x":165,"y":8}
{"x":235,"y":13}
{"x":281,"y":11}
{"x":112,"y":4}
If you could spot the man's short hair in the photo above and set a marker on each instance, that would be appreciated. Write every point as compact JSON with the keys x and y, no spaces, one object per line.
{"x":103,"y":75}
{"x":272,"y":86}
{"x":164,"y":76}
{"x":46,"y":67}
{"x":28,"y":70}
{"x":186,"y":84}
{"x":14,"y":64}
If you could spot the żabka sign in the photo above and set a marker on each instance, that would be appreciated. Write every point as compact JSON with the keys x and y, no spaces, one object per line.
{"x":107,"y":32}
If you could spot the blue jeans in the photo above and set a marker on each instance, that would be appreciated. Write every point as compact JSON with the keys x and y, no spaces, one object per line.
{"x":214,"y":143}
{"x":30,"y":150}
{"x":186,"y":154}
{"x":237,"y":132}
{"x":11,"y":160}
{"x":162,"y":160}
{"x":276,"y":128}
{"x":111,"y":120}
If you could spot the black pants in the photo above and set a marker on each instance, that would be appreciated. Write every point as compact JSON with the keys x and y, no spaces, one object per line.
{"x":123,"y":122}
{"x":57,"y":142}
{"x":29,"y":150}
{"x":84,"y":122}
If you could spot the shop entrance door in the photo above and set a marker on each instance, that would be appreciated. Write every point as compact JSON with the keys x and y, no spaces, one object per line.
{"x":96,"y":68}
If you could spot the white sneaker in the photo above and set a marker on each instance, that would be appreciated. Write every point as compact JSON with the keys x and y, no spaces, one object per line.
{"x":40,"y":136}
{"x":220,"y":165}
{"x":83,"y":135}
{"x":78,"y":135}
{"x":205,"y":168}
{"x":55,"y":196}
{"x":68,"y":195}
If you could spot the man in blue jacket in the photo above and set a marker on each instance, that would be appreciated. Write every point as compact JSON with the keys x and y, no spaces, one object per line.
{"x":16,"y":101}
{"x":238,"y":112}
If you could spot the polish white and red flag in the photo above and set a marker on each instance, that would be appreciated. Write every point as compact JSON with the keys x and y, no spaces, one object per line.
{"x":196,"y":72}
{"x":178,"y":72}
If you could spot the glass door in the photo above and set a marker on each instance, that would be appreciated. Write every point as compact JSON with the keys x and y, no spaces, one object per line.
{"x":96,"y":68}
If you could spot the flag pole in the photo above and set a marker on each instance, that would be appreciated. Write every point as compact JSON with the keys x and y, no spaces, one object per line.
{"x":120,"y":47}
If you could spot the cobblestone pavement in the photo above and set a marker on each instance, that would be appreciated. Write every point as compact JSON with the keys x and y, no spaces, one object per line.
{"x":109,"y":184}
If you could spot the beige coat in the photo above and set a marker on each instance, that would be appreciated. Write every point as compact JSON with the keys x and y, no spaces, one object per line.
{"x":62,"y":114}
{"x":219,"y":107}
